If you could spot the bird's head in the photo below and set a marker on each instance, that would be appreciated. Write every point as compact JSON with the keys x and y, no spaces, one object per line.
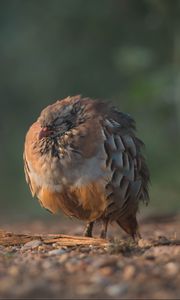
{"x":58,"y":118}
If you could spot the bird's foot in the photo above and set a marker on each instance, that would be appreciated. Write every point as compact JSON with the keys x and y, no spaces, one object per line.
{"x":104,"y":229}
{"x":136,"y":236}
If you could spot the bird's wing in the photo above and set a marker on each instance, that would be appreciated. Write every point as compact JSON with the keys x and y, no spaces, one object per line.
{"x":130,"y":176}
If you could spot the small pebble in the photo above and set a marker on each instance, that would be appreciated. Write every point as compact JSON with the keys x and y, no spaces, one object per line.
{"x":13,"y":270}
{"x":98,"y":279}
{"x":149,"y":257}
{"x":142,"y":243}
{"x":57,"y":252}
{"x":129,"y":272}
{"x":32,"y":245}
{"x":172,"y":268}
{"x":106,"y":271}
{"x":71,"y":267}
{"x":116,"y":290}
{"x":63,"y":257}
{"x":47,"y":264}
{"x":85,"y":290}
{"x":85,"y":249}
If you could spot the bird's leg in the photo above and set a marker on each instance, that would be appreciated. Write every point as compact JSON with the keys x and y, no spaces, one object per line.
{"x":88,"y":229}
{"x":104,"y":228}
{"x":136,"y":236}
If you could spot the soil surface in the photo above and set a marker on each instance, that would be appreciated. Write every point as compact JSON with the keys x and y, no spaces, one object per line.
{"x":41,"y":267}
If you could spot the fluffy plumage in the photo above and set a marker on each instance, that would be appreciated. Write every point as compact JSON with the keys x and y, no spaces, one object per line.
{"x":82,"y":156}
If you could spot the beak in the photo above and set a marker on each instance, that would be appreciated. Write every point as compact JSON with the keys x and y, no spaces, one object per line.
{"x":45,"y":131}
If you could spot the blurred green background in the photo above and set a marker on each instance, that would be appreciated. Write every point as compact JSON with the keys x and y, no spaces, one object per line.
{"x":126,"y":51}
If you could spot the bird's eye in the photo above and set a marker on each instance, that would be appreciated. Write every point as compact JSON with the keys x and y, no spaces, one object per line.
{"x":76,"y":107}
{"x":57,"y":122}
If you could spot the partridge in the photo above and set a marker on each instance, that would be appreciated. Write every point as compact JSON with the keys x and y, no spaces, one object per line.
{"x":82,"y":156}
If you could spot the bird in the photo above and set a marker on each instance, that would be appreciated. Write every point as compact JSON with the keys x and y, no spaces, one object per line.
{"x":82,"y":157}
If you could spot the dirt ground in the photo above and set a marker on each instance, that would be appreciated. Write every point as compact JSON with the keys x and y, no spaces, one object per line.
{"x":119,"y":269}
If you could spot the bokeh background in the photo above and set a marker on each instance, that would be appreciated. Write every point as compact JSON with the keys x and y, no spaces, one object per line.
{"x":125,"y":51}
